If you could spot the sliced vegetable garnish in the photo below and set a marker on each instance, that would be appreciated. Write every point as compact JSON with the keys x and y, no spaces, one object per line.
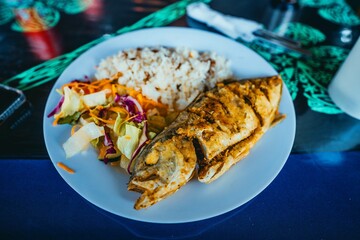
{"x":72,"y":102}
{"x":141,"y":145}
{"x":81,"y":139}
{"x":72,"y":119}
{"x":66,"y":168}
{"x":135,"y":102}
{"x":117,"y":125}
{"x":110,"y":116}
{"x":133,"y":107}
{"x":110,"y":147}
{"x":57,"y":107}
{"x":129,"y":142}
{"x":107,"y":140}
{"x":94,"y":99}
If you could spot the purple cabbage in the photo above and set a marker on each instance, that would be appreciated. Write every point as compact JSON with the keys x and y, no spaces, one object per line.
{"x":110,"y":150}
{"x":132,"y":106}
{"x":135,"y":110}
{"x":108,"y":143}
{"x":139,"y":118}
{"x":107,"y":140}
{"x":142,"y":143}
{"x":57,"y":107}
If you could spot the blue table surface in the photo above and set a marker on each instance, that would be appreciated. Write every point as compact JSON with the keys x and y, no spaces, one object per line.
{"x":315,"y":196}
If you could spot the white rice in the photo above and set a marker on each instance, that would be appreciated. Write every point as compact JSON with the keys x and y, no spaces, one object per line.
{"x":172,"y":76}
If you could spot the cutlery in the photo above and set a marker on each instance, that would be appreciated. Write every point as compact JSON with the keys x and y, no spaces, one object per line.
{"x":235,"y":27}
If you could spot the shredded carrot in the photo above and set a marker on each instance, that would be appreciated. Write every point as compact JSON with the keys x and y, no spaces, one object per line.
{"x":102,"y":84}
{"x":75,"y":128}
{"x":147,"y":103}
{"x":66,"y":168}
{"x":115,"y":88}
{"x":132,"y":92}
{"x":102,"y":151}
{"x":117,"y":75}
{"x":89,"y":87}
{"x":119,"y":110}
{"x":129,"y":118}
{"x":116,"y":163}
{"x":102,"y":119}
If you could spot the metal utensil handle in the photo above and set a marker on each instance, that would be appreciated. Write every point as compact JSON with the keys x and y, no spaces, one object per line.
{"x":282,"y":41}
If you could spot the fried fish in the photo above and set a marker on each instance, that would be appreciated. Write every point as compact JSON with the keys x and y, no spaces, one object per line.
{"x":214,"y":132}
{"x":165,"y":165}
{"x":237,"y":115}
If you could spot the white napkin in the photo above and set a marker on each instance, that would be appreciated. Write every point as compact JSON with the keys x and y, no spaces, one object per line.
{"x":233,"y":27}
{"x":344,"y":88}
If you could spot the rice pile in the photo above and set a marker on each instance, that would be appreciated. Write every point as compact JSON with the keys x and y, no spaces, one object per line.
{"x":173,"y":76}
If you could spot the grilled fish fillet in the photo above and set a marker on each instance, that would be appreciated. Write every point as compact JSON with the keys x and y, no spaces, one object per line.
{"x":216,"y":131}
{"x":163,"y":166}
{"x":231,"y":119}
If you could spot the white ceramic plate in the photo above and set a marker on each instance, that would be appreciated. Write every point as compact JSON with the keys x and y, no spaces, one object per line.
{"x":106,"y":187}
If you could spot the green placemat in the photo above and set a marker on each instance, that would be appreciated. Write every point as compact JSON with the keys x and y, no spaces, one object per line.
{"x":310,"y":77}
{"x":51,"y":69}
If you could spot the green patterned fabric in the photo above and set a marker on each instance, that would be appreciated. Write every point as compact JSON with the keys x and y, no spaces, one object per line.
{"x":47,"y":12}
{"x":49,"y":16}
{"x":336,"y":11}
{"x":70,"y":6}
{"x":310,"y":75}
{"x":314,"y":75}
{"x":6,"y":15}
{"x":307,"y":35}
{"x":51,"y":69}
{"x":340,"y":14}
{"x":320,"y":3}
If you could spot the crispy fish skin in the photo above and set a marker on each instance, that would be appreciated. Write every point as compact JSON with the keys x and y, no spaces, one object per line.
{"x":214,"y":121}
{"x":216,"y":131}
{"x":164,"y":166}
{"x":263,"y":97}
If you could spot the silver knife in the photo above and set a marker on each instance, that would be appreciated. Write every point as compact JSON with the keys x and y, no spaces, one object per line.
{"x":245,"y":29}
